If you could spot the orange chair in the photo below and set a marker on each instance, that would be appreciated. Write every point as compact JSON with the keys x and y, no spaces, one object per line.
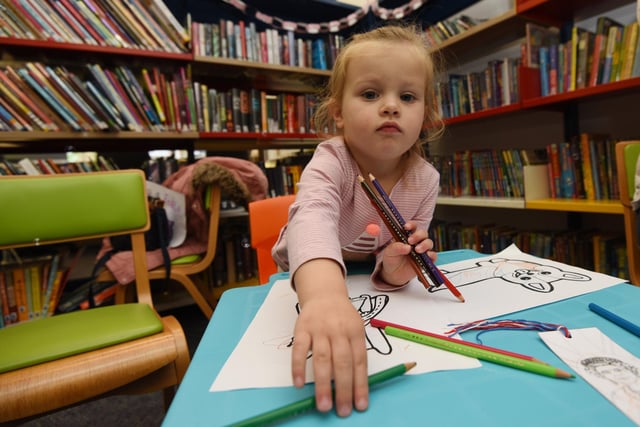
{"x":266,"y":218}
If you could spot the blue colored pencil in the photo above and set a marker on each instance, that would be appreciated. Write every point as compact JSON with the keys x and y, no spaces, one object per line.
{"x":614,"y":318}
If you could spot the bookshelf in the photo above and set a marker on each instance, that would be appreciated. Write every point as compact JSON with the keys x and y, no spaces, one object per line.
{"x":531,"y":121}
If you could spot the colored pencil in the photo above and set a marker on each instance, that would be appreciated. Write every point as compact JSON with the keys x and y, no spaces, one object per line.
{"x":379,"y":323}
{"x":434,"y":273}
{"x":463,"y":348}
{"x":309,"y":403}
{"x":614,"y":318}
{"x":422,"y":264}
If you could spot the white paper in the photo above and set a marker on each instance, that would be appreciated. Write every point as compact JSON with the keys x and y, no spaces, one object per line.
{"x":609,"y":368}
{"x":492,"y":285}
{"x":175,"y":206}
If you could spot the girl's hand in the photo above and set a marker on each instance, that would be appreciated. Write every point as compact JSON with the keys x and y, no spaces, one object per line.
{"x":331,"y":329}
{"x":397,"y":266}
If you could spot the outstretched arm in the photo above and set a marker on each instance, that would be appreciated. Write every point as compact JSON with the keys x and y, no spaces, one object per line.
{"x":330,"y":327}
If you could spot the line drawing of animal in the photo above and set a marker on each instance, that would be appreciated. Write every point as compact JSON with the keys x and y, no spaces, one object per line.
{"x":530,"y":275}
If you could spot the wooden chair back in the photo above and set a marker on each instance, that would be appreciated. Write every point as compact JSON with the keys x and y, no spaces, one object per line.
{"x":627,"y":153}
{"x":266,"y":219}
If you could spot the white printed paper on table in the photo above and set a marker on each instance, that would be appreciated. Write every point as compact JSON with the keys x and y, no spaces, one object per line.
{"x":609,"y":368}
{"x":492,"y":285}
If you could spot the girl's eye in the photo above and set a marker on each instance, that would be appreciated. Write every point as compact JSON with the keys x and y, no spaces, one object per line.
{"x":369,"y":94}
{"x":407,"y":97}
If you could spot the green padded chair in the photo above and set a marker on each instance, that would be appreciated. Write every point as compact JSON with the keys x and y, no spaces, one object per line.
{"x":627,"y":153}
{"x":60,"y":361}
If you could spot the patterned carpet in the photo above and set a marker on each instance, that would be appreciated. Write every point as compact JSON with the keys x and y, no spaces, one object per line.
{"x":131,"y":411}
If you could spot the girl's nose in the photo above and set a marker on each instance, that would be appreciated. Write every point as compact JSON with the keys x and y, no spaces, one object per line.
{"x":389,"y":107}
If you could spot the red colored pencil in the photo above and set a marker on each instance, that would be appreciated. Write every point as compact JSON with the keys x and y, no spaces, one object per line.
{"x":379,"y":323}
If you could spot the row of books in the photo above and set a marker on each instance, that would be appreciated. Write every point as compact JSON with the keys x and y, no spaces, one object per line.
{"x":30,"y":286}
{"x":117,"y":23}
{"x":443,"y":30}
{"x":284,"y":175}
{"x":241,"y":40}
{"x":45,"y":166}
{"x":586,"y":59}
{"x":53,"y":98}
{"x":485,"y":173}
{"x":494,"y":86}
{"x":584,"y":168}
{"x":240,"y":110}
{"x":596,"y":251}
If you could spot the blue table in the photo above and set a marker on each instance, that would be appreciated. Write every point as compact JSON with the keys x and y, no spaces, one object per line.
{"x":492,"y":395}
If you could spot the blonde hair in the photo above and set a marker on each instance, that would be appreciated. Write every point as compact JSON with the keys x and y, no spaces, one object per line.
{"x":334,"y":90}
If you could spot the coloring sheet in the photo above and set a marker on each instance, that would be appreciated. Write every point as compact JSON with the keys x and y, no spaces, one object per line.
{"x":609,"y":368}
{"x":492,"y":285}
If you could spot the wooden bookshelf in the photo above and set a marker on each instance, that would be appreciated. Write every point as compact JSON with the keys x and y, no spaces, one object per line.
{"x":584,"y":206}
{"x":597,"y":109}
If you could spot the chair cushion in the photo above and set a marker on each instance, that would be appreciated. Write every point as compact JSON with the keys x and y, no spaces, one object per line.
{"x":63,"y":335}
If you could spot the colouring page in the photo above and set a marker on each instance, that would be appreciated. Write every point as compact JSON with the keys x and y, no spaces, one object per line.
{"x":492,"y":285}
{"x":609,"y":368}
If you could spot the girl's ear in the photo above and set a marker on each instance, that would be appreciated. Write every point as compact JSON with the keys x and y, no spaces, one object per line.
{"x":336,"y":113}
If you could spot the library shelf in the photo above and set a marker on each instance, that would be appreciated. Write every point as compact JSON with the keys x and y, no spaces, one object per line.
{"x":50,"y":45}
{"x":605,"y":89}
{"x":246,"y":66}
{"x":232,"y":141}
{"x":572,"y":205}
{"x":534,"y":121}
{"x":494,"y":202}
{"x":497,"y":111}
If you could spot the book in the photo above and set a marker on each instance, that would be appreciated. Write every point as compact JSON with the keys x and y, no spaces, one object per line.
{"x":603,"y":24}
{"x":535,"y":37}
{"x":584,"y":57}
{"x":28,"y":167}
{"x":543,"y":66}
{"x":613,"y":41}
{"x":628,"y":51}
{"x":20,"y":289}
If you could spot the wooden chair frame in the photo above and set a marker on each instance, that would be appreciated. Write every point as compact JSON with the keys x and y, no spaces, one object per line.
{"x":627,"y":153}
{"x":186,"y":273}
{"x":155,"y":362}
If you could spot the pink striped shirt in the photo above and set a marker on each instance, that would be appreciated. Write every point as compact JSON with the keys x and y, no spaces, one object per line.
{"x":331,"y":210}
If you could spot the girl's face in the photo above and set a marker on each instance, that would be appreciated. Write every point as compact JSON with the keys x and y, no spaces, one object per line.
{"x":382,"y":110}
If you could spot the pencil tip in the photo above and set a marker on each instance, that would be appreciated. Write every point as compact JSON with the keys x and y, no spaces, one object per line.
{"x":461,"y":298}
{"x":563,"y":374}
{"x":360,"y":178}
{"x":371,"y":177}
{"x":409,"y":365}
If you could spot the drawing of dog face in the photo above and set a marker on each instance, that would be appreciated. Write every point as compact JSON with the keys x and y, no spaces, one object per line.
{"x":532,"y":276}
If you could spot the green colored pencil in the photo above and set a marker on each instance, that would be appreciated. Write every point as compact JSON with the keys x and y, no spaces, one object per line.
{"x":490,"y":356}
{"x":309,"y":403}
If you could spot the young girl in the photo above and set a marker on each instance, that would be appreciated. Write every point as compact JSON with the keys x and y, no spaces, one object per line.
{"x":380,"y":101}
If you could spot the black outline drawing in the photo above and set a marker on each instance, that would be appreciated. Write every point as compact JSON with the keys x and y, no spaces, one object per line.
{"x":530,"y":275}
